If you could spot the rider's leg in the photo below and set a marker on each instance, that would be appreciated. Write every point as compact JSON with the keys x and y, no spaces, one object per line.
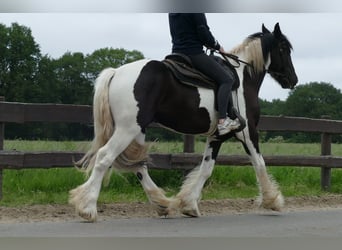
{"x":224,"y":79}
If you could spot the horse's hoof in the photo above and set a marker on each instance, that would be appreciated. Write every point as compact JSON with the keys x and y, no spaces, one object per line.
{"x":89,"y":214}
{"x":191,"y":210}
{"x":91,"y":217}
{"x":84,"y":206}
{"x":275,"y":204}
{"x":191,"y":213}
{"x":162,"y":211}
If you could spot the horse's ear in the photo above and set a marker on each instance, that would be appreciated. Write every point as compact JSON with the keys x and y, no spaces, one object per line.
{"x":265,"y":30}
{"x":277,"y":31}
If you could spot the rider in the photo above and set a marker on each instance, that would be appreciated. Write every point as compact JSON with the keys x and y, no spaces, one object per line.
{"x":189,"y":33}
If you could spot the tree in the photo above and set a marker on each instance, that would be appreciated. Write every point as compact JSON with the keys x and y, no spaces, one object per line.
{"x":315,"y":100}
{"x":109,"y":57}
{"x":74,"y":85}
{"x":276,"y":107}
{"x":47,"y":83}
{"x":19,"y":57}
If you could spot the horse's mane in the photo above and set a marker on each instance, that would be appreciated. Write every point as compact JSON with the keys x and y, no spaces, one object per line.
{"x":251,"y":48}
{"x":252,"y":51}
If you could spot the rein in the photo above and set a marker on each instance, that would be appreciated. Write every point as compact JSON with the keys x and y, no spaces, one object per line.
{"x":231,"y":56}
{"x":235,"y":58}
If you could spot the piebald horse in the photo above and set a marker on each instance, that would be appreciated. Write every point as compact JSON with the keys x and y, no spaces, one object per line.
{"x":129,"y":98}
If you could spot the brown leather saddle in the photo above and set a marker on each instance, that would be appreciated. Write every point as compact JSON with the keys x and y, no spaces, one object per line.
{"x":181,"y":67}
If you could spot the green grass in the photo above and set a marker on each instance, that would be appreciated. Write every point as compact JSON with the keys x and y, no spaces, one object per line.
{"x":51,"y":186}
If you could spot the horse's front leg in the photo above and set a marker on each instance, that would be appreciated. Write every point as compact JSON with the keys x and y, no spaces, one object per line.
{"x":190,"y":193}
{"x":270,"y":197}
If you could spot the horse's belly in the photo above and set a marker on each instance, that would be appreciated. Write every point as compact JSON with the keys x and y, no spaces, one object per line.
{"x":188,"y":119}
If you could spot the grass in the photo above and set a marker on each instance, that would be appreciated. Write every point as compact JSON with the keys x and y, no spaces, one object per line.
{"x":51,"y":186}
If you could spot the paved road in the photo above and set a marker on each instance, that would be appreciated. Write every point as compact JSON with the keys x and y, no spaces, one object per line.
{"x":289,"y":224}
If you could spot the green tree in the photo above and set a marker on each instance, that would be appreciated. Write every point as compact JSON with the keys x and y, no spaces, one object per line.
{"x":315,"y":100}
{"x":19,"y":57}
{"x":74,"y":85}
{"x":109,"y":57}
{"x":47,"y":82}
{"x":275,"y":107}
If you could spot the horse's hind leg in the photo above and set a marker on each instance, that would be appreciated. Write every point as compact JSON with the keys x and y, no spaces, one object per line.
{"x":163,"y":205}
{"x":84,"y":197}
{"x":156,"y":196}
{"x":191,"y":190}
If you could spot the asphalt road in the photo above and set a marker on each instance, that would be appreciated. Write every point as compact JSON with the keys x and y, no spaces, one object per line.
{"x":289,"y":224}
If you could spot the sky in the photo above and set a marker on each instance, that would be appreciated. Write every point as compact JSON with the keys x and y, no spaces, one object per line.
{"x":316,"y":37}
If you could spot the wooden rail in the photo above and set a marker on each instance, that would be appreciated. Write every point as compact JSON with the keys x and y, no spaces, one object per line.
{"x":28,"y":112}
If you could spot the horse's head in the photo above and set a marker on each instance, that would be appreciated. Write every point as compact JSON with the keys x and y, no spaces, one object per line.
{"x":280,"y":67}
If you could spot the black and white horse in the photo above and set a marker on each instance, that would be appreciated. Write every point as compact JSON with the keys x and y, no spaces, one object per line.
{"x":129,"y":98}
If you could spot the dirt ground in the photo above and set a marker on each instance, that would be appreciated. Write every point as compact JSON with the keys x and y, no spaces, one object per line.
{"x":37,"y":213}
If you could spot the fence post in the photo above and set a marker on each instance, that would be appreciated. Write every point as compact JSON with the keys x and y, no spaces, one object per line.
{"x":188,"y":147}
{"x":325,"y":150}
{"x":2,"y":138}
{"x":189,"y":144}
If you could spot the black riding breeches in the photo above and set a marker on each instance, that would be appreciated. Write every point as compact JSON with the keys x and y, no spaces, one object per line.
{"x":208,"y":66}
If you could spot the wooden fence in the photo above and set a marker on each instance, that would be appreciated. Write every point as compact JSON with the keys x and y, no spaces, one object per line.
{"x":11,"y":112}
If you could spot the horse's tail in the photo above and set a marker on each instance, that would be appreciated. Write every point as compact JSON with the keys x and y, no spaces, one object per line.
{"x":103,"y":120}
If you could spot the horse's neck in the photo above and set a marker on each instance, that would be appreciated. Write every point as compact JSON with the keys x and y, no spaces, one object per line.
{"x":250,"y":79}
{"x":251,"y":52}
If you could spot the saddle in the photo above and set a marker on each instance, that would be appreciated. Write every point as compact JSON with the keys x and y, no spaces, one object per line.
{"x":181,"y":67}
